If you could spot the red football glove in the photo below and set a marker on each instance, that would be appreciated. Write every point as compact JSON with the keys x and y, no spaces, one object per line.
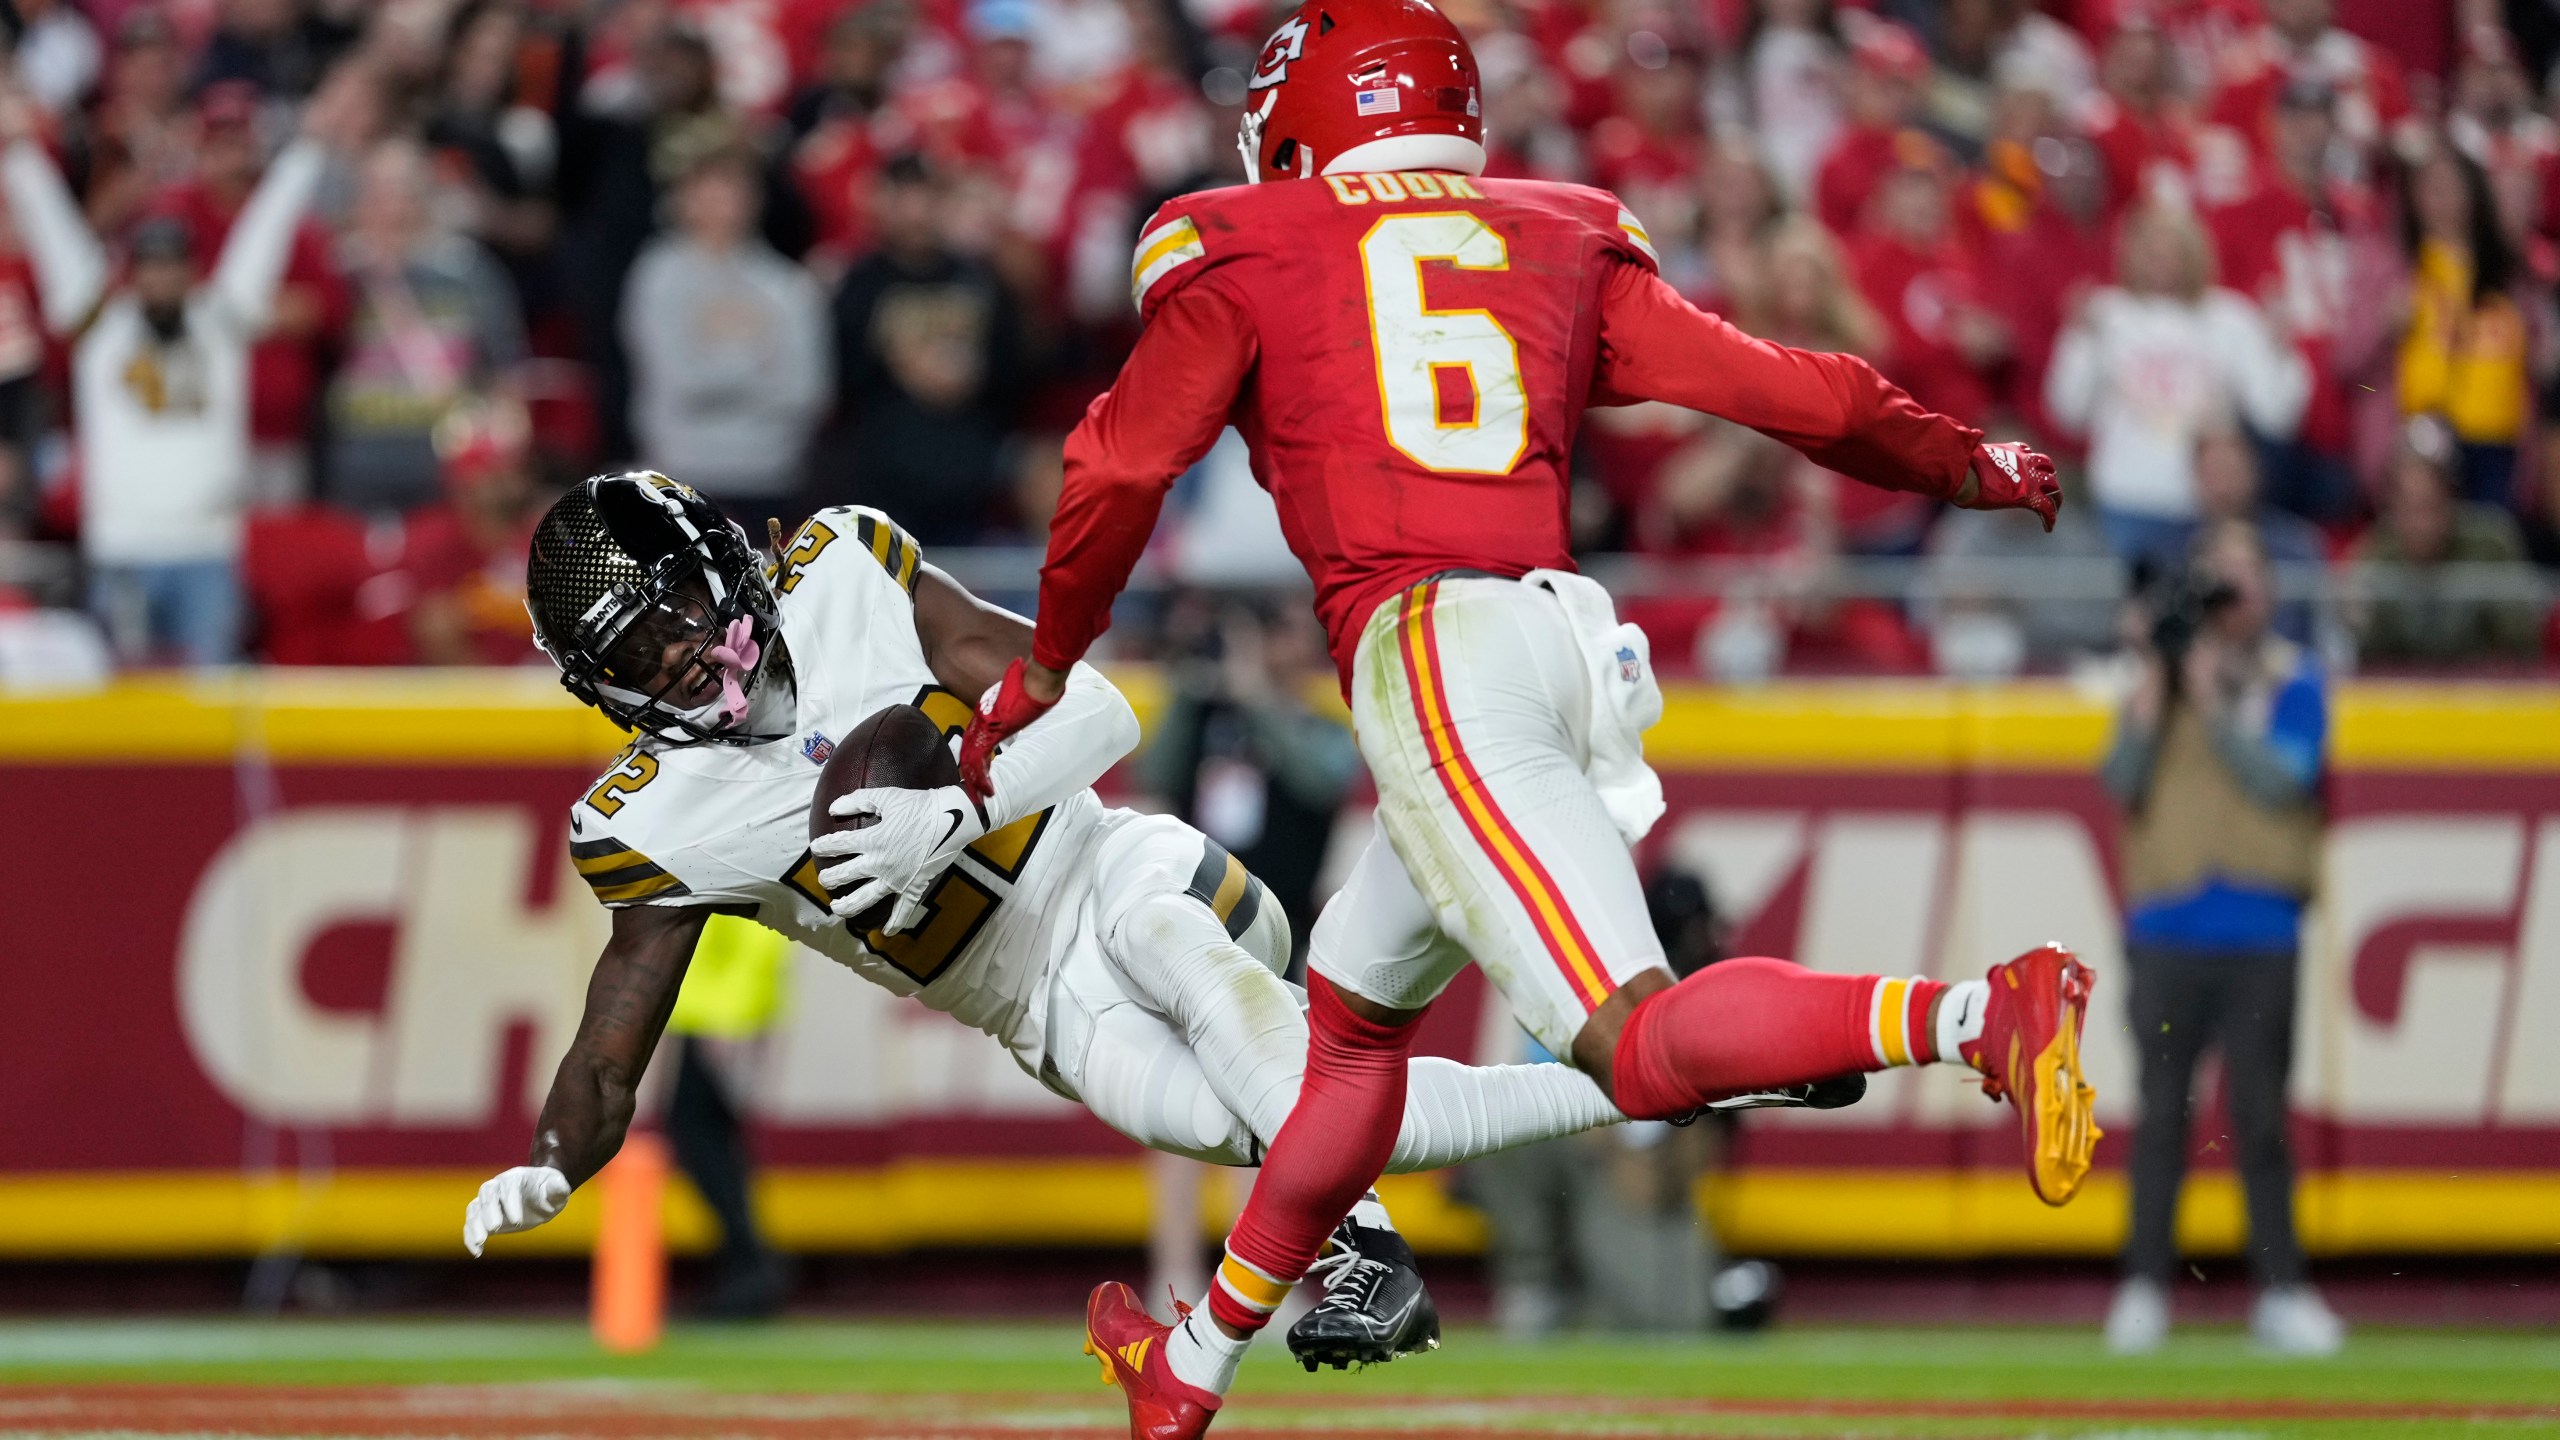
{"x":2009,"y":476}
{"x":1001,"y":711}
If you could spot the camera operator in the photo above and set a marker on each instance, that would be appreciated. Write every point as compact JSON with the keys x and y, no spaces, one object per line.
{"x":2217,"y":762}
{"x":1243,"y":755}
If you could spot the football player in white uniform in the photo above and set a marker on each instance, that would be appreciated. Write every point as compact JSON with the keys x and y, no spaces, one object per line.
{"x":1125,"y":960}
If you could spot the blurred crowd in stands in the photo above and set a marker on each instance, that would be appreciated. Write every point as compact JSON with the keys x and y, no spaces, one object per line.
{"x":306,"y":306}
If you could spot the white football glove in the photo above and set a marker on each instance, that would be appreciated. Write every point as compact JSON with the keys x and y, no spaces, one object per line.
{"x":913,"y":837}
{"x":520,"y":1199}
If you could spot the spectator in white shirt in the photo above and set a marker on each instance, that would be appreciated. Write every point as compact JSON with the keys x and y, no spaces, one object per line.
{"x":728,"y":341}
{"x":2147,"y":364}
{"x":160,"y":384}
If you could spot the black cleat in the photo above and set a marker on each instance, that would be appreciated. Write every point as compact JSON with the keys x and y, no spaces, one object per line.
{"x":1374,"y":1307}
{"x":1835,"y":1093}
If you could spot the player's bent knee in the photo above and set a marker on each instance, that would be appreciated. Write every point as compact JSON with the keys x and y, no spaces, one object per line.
{"x":1140,"y":1079}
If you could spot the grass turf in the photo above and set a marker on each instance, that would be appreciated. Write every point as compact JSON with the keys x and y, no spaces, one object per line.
{"x":931,"y":1377}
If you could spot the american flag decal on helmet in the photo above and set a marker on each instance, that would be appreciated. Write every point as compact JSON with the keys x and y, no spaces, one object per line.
{"x":1378,"y":102}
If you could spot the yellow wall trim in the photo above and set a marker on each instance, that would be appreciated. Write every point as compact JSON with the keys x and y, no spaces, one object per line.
{"x":1957,"y":1214}
{"x":523,"y":717}
{"x":1104,"y":1202}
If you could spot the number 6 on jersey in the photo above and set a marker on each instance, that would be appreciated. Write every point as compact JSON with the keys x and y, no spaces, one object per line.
{"x":1449,"y":386}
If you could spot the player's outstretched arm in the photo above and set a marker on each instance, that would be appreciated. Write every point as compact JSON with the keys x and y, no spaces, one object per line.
{"x":1156,"y":421}
{"x":971,"y":646}
{"x":1834,"y":408}
{"x":583,"y":1120}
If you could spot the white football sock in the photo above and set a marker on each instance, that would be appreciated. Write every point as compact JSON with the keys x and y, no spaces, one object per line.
{"x":1200,"y":1354}
{"x":1455,"y":1112}
{"x":1960,"y":1012}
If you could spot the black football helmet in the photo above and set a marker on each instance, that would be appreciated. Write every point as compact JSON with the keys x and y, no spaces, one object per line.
{"x":633,"y":577}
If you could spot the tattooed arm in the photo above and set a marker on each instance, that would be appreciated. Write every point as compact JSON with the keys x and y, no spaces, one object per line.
{"x":628,"y":1000}
{"x":583,"y":1120}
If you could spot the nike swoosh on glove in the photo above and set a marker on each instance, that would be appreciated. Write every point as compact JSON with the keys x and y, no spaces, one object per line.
{"x":518,"y":1199}
{"x":1002,"y":711}
{"x":2009,"y":476}
{"x":913,"y":837}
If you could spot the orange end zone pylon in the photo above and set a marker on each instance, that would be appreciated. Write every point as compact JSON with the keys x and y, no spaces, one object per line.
{"x":628,"y":1300}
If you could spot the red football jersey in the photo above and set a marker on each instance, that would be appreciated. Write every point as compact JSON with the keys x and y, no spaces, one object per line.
{"x":1408,"y":357}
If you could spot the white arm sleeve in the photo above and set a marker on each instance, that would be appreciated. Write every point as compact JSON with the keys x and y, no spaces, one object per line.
{"x":1087,"y":732}
{"x":70,"y":264}
{"x":261,"y":241}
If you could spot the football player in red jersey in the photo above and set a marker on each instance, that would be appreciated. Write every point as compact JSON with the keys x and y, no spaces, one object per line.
{"x":1407,"y":350}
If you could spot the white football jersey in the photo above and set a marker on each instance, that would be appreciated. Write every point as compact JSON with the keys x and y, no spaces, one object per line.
{"x":728,"y":825}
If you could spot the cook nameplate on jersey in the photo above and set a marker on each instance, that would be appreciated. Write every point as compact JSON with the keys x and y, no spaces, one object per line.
{"x":727,"y":825}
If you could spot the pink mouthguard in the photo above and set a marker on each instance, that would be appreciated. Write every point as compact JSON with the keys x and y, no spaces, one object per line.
{"x":736,"y":655}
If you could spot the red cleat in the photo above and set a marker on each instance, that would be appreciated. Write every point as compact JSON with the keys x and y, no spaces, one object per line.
{"x":1120,"y":1333}
{"x":2030,"y":1053}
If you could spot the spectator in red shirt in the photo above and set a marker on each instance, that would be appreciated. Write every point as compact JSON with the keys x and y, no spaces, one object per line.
{"x":466,"y":556}
{"x":2301,"y":41}
{"x":2140,"y":122}
{"x":1945,"y":345}
{"x":1147,"y":136}
{"x":1651,"y":149}
{"x":2296,"y":242}
{"x":2033,"y":216}
{"x":847,"y":125}
{"x":1887,"y":72}
{"x":993,"y":114}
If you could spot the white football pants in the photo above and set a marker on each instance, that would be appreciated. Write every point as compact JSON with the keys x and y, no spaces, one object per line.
{"x":1169,"y":1020}
{"x":1472,"y":698}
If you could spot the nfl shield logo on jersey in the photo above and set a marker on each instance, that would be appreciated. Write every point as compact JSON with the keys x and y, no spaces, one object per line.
{"x":1629,"y":667}
{"x":817,"y":747}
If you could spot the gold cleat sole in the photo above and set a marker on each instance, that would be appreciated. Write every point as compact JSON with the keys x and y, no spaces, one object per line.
{"x":2066,"y":1120}
{"x":1094,"y":1350}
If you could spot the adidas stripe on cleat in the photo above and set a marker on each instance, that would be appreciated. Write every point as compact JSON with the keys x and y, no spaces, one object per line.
{"x":1129,"y":1344}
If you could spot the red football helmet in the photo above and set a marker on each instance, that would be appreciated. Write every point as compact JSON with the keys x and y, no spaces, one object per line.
{"x":1361,"y":85}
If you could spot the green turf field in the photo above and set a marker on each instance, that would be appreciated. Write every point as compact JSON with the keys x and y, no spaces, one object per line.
{"x":924,"y":1378}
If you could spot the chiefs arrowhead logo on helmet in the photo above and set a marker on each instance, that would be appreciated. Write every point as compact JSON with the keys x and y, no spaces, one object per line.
{"x":1346,"y":86}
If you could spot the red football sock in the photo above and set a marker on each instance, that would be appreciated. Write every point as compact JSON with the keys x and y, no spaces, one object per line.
{"x":1328,"y":1153}
{"x":1754,"y":1023}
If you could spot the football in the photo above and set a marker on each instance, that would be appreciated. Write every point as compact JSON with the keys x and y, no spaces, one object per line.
{"x":897,"y":748}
